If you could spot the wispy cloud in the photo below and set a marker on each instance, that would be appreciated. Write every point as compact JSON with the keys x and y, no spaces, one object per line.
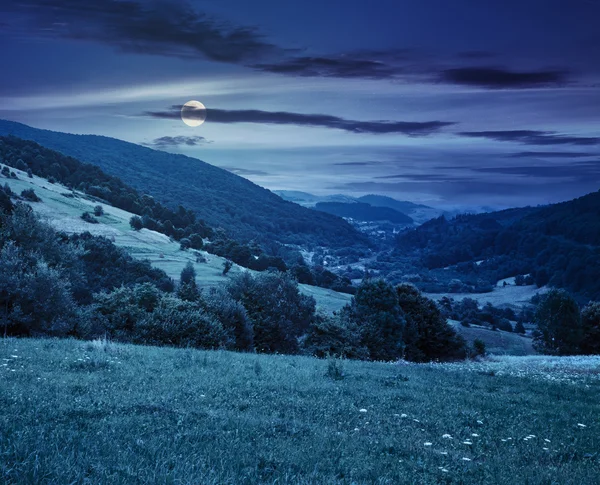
{"x":533,"y":137}
{"x":552,"y":155}
{"x":176,"y":141}
{"x":173,"y":28}
{"x":410,"y":128}
{"x":499,"y":78}
{"x":357,"y":164}
{"x":244,"y":171}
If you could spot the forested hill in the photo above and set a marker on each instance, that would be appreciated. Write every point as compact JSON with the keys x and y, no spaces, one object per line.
{"x":245,"y":210}
{"x":557,"y":244}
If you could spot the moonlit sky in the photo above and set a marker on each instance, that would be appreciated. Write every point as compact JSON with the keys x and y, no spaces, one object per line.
{"x":458,"y":104}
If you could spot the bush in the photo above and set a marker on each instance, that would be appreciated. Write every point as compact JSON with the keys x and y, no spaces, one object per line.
{"x":136,"y":223}
{"x":87,"y":217}
{"x":519,"y":327}
{"x":30,"y":195}
{"x":184,"y":244}
{"x":334,"y":336}
{"x":478,"y":348}
{"x":227,"y":265}
{"x":98,"y":211}
{"x":233,"y":317}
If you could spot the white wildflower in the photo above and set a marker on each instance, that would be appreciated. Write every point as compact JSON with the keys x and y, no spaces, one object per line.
{"x":363,"y":410}
{"x":475,"y":435}
{"x":447,"y":436}
{"x":581,"y":425}
{"x":466,"y":459}
{"x":427,"y":443}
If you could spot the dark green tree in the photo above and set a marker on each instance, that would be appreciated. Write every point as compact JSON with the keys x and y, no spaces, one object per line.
{"x":590,"y":320}
{"x":427,"y":335}
{"x":375,"y":310}
{"x":136,"y":223}
{"x":188,"y":289}
{"x":558,"y":322}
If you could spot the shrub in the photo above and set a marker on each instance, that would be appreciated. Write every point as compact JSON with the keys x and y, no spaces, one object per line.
{"x":334,"y":336}
{"x":335,"y":369}
{"x":227,"y":265}
{"x":184,"y":244}
{"x":87,"y":217}
{"x":519,"y":327}
{"x":98,"y":211}
{"x":233,"y":317}
{"x":478,"y":348}
{"x":136,"y":223}
{"x":30,"y":195}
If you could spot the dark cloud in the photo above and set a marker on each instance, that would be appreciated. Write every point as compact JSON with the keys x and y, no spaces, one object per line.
{"x":551,"y":155}
{"x":148,"y":27}
{"x":494,"y":78}
{"x":357,"y":164}
{"x":176,"y":141}
{"x":533,"y":137}
{"x":244,"y":171}
{"x":425,"y":177}
{"x":342,"y":67}
{"x":584,"y":171}
{"x":411,"y":128}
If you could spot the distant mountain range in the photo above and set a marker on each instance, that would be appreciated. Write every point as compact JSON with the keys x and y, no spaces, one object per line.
{"x":245,"y":210}
{"x":382,"y":208}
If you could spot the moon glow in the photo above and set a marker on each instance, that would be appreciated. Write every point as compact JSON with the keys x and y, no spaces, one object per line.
{"x":193,"y":113}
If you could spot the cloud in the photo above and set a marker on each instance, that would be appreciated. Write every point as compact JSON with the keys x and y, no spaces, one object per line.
{"x":148,"y":27}
{"x":341,"y":67}
{"x":495,"y":78}
{"x":176,"y":141}
{"x":356,"y":164}
{"x":551,"y":155}
{"x":584,"y":171}
{"x":533,"y":137}
{"x":423,"y":177}
{"x":410,"y":128}
{"x":244,"y":171}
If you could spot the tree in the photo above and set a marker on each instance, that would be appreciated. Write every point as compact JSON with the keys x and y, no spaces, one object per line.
{"x":590,"y":320}
{"x":427,"y":336}
{"x":184,"y":244}
{"x":278,"y":311}
{"x":136,"y":223}
{"x":519,"y":327}
{"x":227,"y":265}
{"x":188,"y":290}
{"x":98,"y":211}
{"x":375,"y":310}
{"x":558,"y":322}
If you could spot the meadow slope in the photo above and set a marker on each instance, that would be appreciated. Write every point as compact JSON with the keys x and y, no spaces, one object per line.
{"x":84,"y":412}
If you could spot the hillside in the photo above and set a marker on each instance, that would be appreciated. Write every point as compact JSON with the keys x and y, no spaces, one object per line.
{"x":222,"y":199}
{"x":418,"y":212}
{"x":557,"y":244}
{"x":62,"y":208}
{"x":97,"y":412}
{"x":363,"y":212}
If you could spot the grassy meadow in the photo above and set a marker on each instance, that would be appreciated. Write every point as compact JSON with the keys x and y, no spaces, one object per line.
{"x":78,"y":412}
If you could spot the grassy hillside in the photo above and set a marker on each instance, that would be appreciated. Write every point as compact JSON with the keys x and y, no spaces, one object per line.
{"x":63,"y":210}
{"x":245,"y":210}
{"x":76,"y":412}
{"x":497,"y":342}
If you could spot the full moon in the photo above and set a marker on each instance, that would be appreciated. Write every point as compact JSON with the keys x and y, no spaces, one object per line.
{"x":193,"y":113}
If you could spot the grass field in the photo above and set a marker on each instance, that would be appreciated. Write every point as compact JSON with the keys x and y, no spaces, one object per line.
{"x":496,"y":341}
{"x":63,"y":213}
{"x":78,"y":413}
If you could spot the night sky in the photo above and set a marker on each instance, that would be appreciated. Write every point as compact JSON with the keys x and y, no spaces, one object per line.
{"x":458,"y":104}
